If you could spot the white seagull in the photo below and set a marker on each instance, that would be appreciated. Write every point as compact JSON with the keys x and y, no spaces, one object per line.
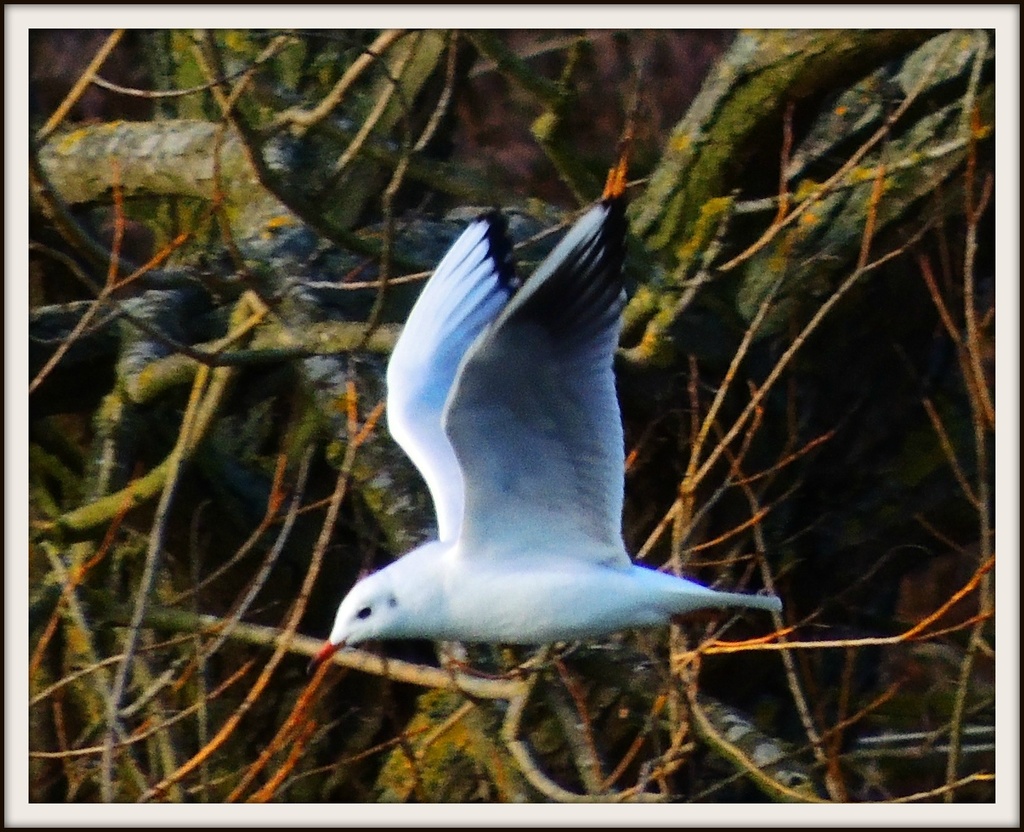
{"x":504,"y":398}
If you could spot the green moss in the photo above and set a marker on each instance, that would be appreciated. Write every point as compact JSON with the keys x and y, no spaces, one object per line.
{"x":704,"y":229}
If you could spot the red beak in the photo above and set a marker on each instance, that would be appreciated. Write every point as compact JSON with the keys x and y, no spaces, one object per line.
{"x":325,"y":653}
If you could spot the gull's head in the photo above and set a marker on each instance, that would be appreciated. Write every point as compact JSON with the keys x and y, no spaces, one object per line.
{"x":391,"y":603}
{"x":370,"y":610}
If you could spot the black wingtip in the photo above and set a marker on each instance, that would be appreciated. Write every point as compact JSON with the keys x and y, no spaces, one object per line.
{"x":579,"y":287}
{"x":501,"y":247}
{"x":615,"y":226}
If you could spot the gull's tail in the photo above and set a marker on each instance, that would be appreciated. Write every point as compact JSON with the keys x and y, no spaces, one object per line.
{"x":680,"y":596}
{"x":688,"y":596}
{"x":769,"y":603}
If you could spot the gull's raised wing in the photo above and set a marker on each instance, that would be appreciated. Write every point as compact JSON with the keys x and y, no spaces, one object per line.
{"x":533,"y":414}
{"x":467,"y":290}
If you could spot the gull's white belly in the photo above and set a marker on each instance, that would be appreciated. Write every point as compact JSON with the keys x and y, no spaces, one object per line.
{"x":535,"y":603}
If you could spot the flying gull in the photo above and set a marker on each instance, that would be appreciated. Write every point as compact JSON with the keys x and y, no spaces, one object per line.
{"x":504,"y":398}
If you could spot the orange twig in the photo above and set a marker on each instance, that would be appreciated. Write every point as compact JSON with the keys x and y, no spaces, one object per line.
{"x":784,"y":154}
{"x":735,"y":530}
{"x":637,"y":744}
{"x":869,"y":224}
{"x":966,"y":589}
{"x":115,"y":248}
{"x":788,"y":459}
{"x":267,"y":792}
{"x":277,"y":492}
{"x":298,"y":713}
{"x":911,"y":634}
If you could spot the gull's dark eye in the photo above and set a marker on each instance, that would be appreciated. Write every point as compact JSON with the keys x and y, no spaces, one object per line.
{"x":364,"y":612}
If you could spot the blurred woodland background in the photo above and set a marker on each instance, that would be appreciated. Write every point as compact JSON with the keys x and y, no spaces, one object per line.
{"x":227,"y":230}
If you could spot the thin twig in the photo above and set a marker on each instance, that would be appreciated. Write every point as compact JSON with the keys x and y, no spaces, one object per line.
{"x":81,"y":85}
{"x":302,"y":120}
{"x":139,"y":736}
{"x":637,"y":744}
{"x":800,"y":702}
{"x":146,"y":582}
{"x":294,"y":721}
{"x":381,"y":106}
{"x":950,"y":452}
{"x":694,"y":474}
{"x":946,"y":790}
